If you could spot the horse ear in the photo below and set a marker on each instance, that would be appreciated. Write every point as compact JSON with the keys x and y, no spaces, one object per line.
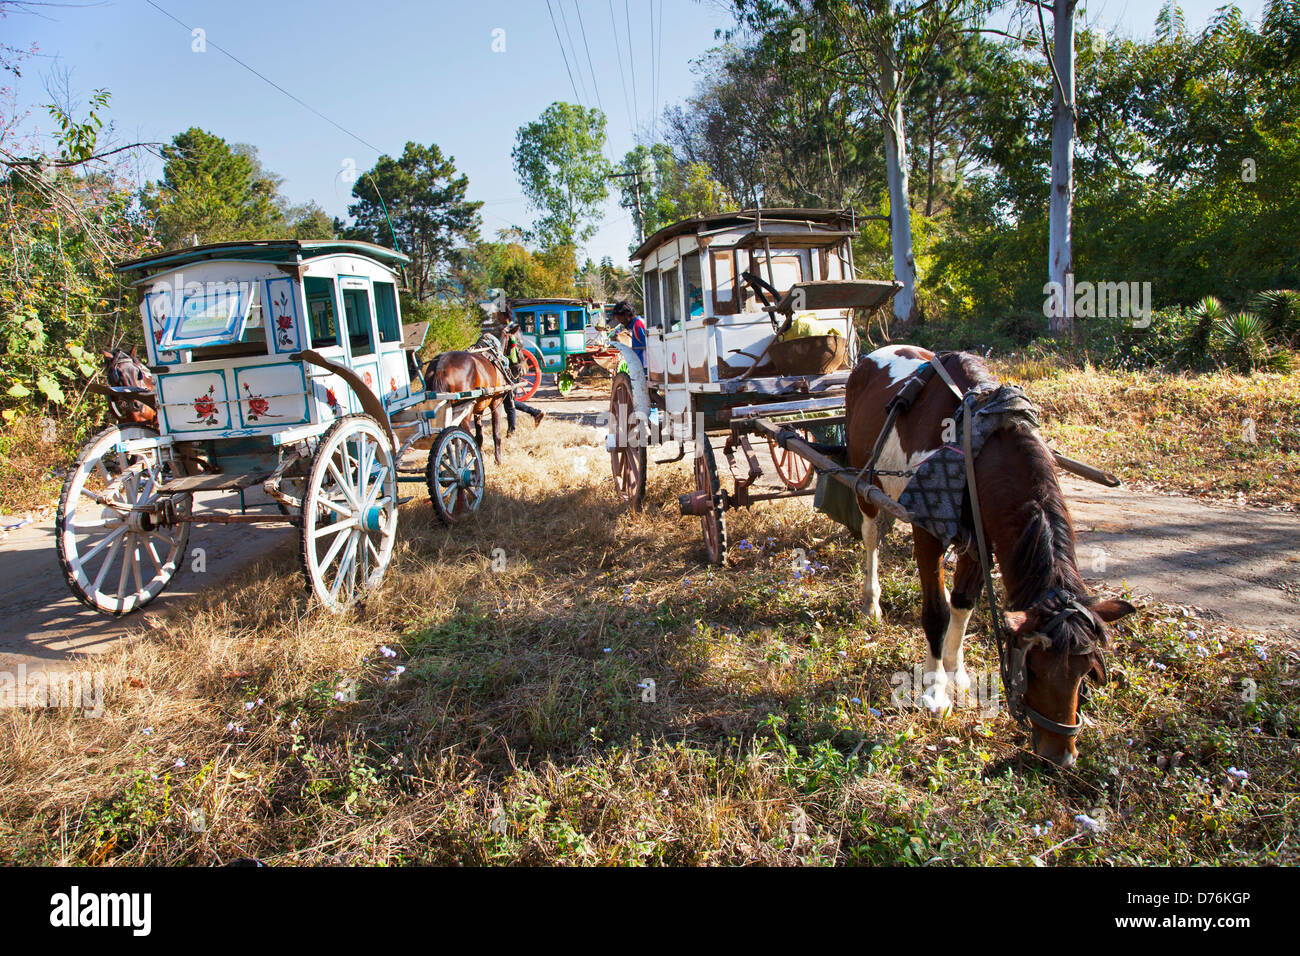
{"x":1014,"y":620}
{"x":132,"y":352}
{"x":1112,"y":609}
{"x":106,"y":353}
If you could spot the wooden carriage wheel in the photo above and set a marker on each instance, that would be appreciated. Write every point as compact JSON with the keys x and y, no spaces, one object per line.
{"x":795,"y":470}
{"x":454,"y":475}
{"x":627,"y":460}
{"x":349,"y":512}
{"x":530,"y":376}
{"x":116,"y":557}
{"x":714,"y":521}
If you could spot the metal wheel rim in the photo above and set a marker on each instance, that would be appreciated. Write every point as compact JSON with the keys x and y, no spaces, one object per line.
{"x":457,"y":479}
{"x":90,"y":545}
{"x":352,"y":477}
{"x":530,"y":377}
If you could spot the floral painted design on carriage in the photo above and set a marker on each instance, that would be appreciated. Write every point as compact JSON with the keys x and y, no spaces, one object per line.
{"x":205,"y":407}
{"x":332,"y":401}
{"x":286,"y":330}
{"x":258,"y":406}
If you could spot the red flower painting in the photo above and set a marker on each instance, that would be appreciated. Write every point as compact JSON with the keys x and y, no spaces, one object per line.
{"x":258,"y":406}
{"x":205,"y":407}
{"x":284,"y":335}
{"x":332,"y":401}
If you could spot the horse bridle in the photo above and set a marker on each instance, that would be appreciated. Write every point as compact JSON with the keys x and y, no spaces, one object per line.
{"x":1062,"y":605}
{"x":116,"y":377}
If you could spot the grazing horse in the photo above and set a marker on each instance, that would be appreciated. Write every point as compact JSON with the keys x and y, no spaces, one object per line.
{"x":1052,"y":618}
{"x":123,"y":369}
{"x":463,"y":371}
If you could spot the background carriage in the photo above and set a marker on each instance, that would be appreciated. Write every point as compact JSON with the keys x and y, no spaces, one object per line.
{"x":278,"y":365}
{"x":722,"y":295}
{"x":563,"y":337}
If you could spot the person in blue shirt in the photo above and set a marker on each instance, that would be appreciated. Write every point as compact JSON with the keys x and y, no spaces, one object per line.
{"x":634,"y":324}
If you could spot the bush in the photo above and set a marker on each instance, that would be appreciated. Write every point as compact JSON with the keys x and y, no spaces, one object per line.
{"x":451,"y":325}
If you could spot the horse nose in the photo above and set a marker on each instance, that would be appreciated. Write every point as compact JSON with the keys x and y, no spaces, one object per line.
{"x":1047,"y":748}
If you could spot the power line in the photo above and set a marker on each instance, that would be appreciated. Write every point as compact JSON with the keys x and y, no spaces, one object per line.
{"x":622,"y":74}
{"x":270,"y":81}
{"x":659,"y":69}
{"x":636,"y":109}
{"x":653,"y":85}
{"x":572,"y":46}
{"x":562,"y":51}
{"x":592,"y":70}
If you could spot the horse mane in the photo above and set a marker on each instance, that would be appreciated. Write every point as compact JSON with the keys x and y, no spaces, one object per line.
{"x":1043,"y":555}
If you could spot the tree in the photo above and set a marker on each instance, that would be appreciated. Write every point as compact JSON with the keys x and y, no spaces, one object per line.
{"x":884,"y":45}
{"x":424,"y":199}
{"x":212,"y":192}
{"x":671,"y":189}
{"x":561,"y":165}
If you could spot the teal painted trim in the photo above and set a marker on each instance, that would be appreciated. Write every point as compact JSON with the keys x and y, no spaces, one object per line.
{"x":246,"y":422}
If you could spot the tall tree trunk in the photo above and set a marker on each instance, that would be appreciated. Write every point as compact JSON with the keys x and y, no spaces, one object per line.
{"x":900,"y":213}
{"x":1060,"y":254}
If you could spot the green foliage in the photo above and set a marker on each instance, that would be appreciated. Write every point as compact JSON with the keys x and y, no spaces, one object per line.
{"x":560,"y":161}
{"x":452,"y":325}
{"x":671,"y":189}
{"x":212,"y":192}
{"x":424,"y":198}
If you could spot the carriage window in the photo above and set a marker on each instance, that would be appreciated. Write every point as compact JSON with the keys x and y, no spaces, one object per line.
{"x":390,"y":330}
{"x":573,"y":320}
{"x":724,"y":291}
{"x":356,"y":306}
{"x":550,"y":322}
{"x":528,"y":323}
{"x":694,"y":284}
{"x":787,"y":270}
{"x":672,"y":300}
{"x":320,"y":307}
{"x":652,"y":317}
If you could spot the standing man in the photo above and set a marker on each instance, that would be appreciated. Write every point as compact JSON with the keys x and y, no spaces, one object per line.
{"x":511,"y":347}
{"x":635,"y":325}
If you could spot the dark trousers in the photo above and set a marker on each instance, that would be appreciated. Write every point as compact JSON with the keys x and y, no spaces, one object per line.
{"x":511,"y":404}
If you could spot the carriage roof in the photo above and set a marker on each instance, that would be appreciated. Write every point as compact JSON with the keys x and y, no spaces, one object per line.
{"x":822,"y":225}
{"x":276,"y":251}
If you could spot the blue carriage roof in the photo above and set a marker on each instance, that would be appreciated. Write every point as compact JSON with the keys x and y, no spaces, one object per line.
{"x":272,"y":250}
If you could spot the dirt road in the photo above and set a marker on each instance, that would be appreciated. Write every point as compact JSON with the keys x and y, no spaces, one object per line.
{"x":1239,"y":564}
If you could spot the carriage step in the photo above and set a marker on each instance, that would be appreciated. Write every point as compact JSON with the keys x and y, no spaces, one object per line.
{"x":221,"y":482}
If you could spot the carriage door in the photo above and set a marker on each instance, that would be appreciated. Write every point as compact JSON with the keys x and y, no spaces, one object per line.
{"x":394,"y":375}
{"x":359,"y":321}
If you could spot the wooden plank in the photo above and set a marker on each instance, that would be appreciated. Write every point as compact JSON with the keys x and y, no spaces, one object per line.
{"x":773,"y":409}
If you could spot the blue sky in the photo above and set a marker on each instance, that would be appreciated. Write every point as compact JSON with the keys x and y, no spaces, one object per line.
{"x":390,"y":71}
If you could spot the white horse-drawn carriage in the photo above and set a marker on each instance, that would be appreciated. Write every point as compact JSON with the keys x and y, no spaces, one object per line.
{"x":279,"y":365}
{"x":722,"y":296}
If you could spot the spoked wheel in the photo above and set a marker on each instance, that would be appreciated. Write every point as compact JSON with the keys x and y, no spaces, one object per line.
{"x":795,"y":470}
{"x":454,"y":475}
{"x":530,"y":376}
{"x":349,"y":513}
{"x":115,"y":556}
{"x":713,"y":521}
{"x":628,"y":460}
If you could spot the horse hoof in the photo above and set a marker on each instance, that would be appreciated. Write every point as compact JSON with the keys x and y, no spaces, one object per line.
{"x":936,"y":700}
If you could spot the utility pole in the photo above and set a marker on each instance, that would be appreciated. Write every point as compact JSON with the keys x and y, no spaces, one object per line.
{"x":635,"y":176}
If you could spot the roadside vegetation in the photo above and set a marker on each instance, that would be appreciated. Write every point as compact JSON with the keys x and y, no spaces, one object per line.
{"x":472,"y":715}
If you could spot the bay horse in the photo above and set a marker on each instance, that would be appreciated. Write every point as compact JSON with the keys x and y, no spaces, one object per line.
{"x":461,"y":371}
{"x":122,"y":369}
{"x":1026,"y":525}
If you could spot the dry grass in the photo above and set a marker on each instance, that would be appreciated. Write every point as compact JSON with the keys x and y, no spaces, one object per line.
{"x":33,"y":454}
{"x":1181,"y":432}
{"x":516,"y":731}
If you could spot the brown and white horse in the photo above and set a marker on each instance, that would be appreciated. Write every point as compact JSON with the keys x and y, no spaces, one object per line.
{"x":122,"y":369}
{"x":463,"y":371}
{"x":1027,"y":528}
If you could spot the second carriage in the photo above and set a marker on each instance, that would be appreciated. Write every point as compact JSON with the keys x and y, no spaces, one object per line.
{"x":749,"y":333}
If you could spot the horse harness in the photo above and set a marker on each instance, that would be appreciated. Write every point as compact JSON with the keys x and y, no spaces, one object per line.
{"x":1058,"y":605}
